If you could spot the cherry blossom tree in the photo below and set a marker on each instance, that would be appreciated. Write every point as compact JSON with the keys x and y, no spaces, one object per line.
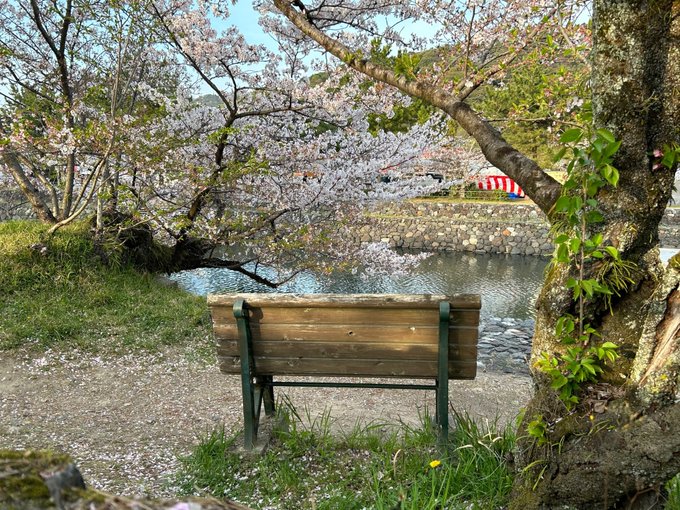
{"x":621,"y":443}
{"x":275,"y":168}
{"x":69,"y":71}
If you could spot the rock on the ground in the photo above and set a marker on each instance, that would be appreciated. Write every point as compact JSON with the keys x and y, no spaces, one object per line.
{"x":43,"y":480}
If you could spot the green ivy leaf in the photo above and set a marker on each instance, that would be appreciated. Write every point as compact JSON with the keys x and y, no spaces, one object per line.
{"x":587,"y":286}
{"x":613,"y":252}
{"x":564,"y":326}
{"x":571,"y":135}
{"x":562,"y":254}
{"x":560,"y":154}
{"x":563,"y":204}
{"x":611,"y":149}
{"x":594,"y":217}
{"x":558,"y":382}
{"x":575,"y":244}
{"x":668,"y":159}
{"x":606,"y":135}
{"x":611,"y":174}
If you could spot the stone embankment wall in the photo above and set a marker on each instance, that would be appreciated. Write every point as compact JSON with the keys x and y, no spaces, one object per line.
{"x":514,"y":228}
{"x":509,"y":228}
{"x":669,"y":228}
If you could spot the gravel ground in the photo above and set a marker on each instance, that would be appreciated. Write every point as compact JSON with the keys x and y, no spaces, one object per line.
{"x":126,"y":419}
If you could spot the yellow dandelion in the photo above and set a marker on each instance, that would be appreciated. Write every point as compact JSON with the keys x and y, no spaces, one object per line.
{"x":435,"y":463}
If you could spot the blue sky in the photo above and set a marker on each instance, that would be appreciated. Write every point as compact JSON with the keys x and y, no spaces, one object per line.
{"x":245,"y":18}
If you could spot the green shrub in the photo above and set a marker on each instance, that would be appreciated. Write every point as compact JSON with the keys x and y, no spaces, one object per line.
{"x":673,"y":488}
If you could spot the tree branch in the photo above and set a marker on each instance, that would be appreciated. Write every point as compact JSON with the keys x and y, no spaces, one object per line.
{"x":538,"y":185}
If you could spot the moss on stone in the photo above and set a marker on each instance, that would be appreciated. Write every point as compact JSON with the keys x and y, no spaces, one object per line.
{"x":22,"y":484}
{"x":674,"y":261}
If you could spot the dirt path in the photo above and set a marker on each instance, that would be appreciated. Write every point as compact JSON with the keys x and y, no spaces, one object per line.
{"x":124,"y":420}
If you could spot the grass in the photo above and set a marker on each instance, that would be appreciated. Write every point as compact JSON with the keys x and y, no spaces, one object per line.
{"x":673,"y":488}
{"x":58,"y":294}
{"x":375,"y":466}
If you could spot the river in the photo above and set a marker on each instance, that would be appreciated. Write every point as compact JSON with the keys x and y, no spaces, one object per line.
{"x":508,"y":283}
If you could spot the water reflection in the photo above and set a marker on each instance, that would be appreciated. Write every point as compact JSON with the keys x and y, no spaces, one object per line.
{"x":508,"y":283}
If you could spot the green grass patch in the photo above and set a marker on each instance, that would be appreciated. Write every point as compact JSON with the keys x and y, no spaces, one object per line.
{"x":58,"y":294}
{"x":673,"y":488}
{"x":375,"y":465}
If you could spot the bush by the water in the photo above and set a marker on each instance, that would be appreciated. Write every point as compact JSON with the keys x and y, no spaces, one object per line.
{"x":60,"y":292}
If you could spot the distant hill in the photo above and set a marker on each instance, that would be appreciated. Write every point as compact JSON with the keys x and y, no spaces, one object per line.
{"x":209,"y":100}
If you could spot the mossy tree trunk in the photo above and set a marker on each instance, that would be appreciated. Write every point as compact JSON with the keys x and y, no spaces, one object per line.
{"x":619,"y":447}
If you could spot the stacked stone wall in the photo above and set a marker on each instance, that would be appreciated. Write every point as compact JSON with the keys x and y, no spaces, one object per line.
{"x":513,"y":228}
{"x":509,"y":228}
{"x":669,"y":228}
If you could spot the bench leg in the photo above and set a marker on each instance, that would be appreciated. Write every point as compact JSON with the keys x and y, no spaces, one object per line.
{"x":443,"y":374}
{"x":253,"y":397}
{"x":442,"y":410}
{"x":267,"y":394}
{"x":264,"y":392}
{"x":250,"y":418}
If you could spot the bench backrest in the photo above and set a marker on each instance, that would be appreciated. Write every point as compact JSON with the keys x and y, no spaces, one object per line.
{"x":360,"y":335}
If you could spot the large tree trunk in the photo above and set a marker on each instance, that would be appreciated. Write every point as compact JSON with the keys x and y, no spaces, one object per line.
{"x":622,"y":444}
{"x":619,"y":447}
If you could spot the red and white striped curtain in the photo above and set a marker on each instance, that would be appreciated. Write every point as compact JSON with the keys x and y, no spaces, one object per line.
{"x":494,"y":182}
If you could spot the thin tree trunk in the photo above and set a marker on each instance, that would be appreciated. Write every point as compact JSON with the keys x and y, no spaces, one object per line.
{"x":40,"y":207}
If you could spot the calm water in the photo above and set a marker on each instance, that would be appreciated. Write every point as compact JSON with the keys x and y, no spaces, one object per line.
{"x":508,"y":283}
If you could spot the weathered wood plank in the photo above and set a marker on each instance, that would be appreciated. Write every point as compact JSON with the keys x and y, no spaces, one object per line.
{"x":466,"y":301}
{"x":358,"y":334}
{"x":336,"y":350}
{"x":350,"y":368}
{"x":350,"y":315}
{"x":334,"y":333}
{"x":333,"y":315}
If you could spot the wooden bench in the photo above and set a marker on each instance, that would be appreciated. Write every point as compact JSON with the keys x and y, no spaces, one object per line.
{"x":261,"y":336}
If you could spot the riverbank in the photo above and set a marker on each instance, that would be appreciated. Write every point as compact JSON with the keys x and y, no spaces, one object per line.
{"x":505,"y":345}
{"x":516,"y":227}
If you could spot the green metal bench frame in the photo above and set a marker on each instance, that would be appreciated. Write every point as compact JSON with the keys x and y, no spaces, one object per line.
{"x":257,"y":390}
